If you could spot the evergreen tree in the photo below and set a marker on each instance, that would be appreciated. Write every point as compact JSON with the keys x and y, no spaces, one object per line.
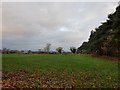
{"x":105,"y":40}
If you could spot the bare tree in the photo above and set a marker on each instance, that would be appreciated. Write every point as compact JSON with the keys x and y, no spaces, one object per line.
{"x":47,"y":48}
{"x":59,"y":49}
{"x":73,"y":49}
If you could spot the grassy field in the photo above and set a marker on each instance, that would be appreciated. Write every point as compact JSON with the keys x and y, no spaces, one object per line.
{"x":58,"y":71}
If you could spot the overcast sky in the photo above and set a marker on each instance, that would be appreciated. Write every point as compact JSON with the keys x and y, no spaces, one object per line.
{"x":31,"y":25}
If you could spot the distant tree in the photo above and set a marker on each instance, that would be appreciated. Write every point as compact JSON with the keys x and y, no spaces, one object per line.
{"x":73,"y":49}
{"x":5,"y":50}
{"x":47,"y":48}
{"x":29,"y":51}
{"x":39,"y":50}
{"x":59,"y":49}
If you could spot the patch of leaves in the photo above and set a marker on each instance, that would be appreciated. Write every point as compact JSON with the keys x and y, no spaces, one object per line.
{"x":50,"y":79}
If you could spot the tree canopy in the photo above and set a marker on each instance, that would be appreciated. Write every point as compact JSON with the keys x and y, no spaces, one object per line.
{"x":105,"y":39}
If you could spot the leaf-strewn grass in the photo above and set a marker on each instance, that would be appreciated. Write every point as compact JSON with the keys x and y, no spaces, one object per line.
{"x":45,"y":70}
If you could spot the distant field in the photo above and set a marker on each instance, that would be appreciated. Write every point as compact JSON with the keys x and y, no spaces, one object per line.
{"x":45,"y":70}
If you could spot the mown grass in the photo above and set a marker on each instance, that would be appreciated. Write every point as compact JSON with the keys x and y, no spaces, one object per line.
{"x":73,"y":70}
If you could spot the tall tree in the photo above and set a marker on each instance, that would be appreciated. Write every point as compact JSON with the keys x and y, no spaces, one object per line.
{"x":105,"y":40}
{"x":59,"y":50}
{"x":47,"y":48}
{"x":73,"y":49}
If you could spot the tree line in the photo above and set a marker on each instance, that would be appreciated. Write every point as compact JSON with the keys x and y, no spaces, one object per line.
{"x":40,"y":51}
{"x":105,"y":39}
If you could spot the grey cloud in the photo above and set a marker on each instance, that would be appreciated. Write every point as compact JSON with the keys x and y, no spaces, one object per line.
{"x":32,"y":25}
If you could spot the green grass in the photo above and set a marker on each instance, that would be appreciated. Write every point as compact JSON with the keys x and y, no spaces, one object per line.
{"x":0,"y":62}
{"x":87,"y":71}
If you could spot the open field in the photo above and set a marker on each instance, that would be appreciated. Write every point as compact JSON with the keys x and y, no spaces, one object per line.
{"x":58,"y":71}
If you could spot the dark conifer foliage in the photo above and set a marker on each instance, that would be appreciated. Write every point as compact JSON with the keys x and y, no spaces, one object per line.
{"x":105,"y":40}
